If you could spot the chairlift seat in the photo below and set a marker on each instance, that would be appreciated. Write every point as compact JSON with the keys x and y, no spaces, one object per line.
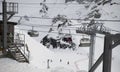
{"x":84,"y":42}
{"x":68,"y":35}
{"x":33,"y":33}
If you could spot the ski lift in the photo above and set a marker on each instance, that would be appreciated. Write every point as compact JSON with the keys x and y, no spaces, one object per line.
{"x":84,"y":42}
{"x":33,"y":33}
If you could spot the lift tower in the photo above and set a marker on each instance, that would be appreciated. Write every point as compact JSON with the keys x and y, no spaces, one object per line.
{"x":111,"y":41}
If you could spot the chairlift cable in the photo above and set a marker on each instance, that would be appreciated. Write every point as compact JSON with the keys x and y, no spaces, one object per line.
{"x":104,"y":20}
{"x":57,"y":32}
{"x":71,"y":28}
{"x":52,"y":3}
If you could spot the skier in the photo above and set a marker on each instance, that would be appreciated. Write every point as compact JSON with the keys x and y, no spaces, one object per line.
{"x":53,"y":42}
{"x":45,"y":39}
{"x":60,"y":60}
{"x":68,"y":63}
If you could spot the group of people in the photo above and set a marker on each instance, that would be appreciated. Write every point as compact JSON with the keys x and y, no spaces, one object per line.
{"x":67,"y":42}
{"x":49,"y":41}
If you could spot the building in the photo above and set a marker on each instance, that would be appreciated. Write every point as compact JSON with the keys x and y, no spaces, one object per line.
{"x":10,"y":26}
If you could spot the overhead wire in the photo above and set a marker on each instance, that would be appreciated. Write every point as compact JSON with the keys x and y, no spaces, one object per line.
{"x":105,"y":20}
{"x":53,"y":3}
{"x":57,"y":32}
{"x":49,"y":26}
{"x":67,"y":28}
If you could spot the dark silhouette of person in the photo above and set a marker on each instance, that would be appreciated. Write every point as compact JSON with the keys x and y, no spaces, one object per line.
{"x":68,"y":62}
{"x":53,"y":42}
{"x":45,"y":39}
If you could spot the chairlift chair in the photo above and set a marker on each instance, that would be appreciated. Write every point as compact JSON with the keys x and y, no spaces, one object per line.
{"x":33,"y":33}
{"x":84,"y":42}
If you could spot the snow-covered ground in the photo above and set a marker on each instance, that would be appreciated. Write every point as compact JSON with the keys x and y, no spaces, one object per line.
{"x":60,"y":60}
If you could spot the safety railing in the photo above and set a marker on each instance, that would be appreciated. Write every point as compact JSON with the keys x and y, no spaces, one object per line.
{"x":19,"y":40}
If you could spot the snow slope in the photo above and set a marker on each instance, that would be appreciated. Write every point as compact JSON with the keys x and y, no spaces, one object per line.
{"x":40,"y":54}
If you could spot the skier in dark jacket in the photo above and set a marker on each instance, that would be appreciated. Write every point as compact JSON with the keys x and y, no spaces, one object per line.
{"x":45,"y":39}
{"x":53,"y":42}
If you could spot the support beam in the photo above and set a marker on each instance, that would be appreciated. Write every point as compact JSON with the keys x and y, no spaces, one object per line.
{"x":4,"y":26}
{"x":107,"y":55}
{"x":91,"y":51}
{"x":0,"y":13}
{"x":116,"y":44}
{"x":116,"y":40}
{"x":97,"y":63}
{"x":10,"y":16}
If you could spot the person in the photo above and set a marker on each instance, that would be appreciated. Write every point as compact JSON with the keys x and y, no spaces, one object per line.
{"x":68,"y":62}
{"x":60,"y":60}
{"x":58,"y":42}
{"x":70,"y":40}
{"x":45,"y":39}
{"x":53,"y":43}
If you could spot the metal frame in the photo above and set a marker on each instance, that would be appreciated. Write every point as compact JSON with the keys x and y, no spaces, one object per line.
{"x":106,"y":56}
{"x":108,"y":46}
{"x":4,"y":27}
{"x":6,"y":11}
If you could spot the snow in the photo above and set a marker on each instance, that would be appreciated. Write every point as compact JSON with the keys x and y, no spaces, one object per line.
{"x":39,"y":54}
{"x":9,"y":65}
